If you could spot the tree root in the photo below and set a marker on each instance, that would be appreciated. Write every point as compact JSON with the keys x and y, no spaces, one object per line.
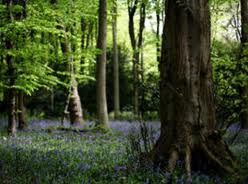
{"x":208,"y":153}
{"x":173,"y":160}
{"x":188,"y":162}
{"x":216,"y":159}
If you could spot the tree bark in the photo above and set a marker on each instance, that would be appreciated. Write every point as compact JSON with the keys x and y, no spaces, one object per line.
{"x":158,"y":45}
{"x":142,"y":104}
{"x":132,"y":6}
{"x":73,"y":105}
{"x":244,"y":57}
{"x":52,"y":100}
{"x":136,"y":45}
{"x":11,"y":92}
{"x":75,"y":108}
{"x":11,"y":97}
{"x":101,"y":99}
{"x":22,"y":123}
{"x":186,"y":102}
{"x":115,"y":62}
{"x":11,"y":100}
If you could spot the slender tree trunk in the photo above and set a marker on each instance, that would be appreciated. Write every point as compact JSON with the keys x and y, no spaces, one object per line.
{"x":136,"y":45}
{"x":158,"y":45}
{"x":22,"y":124}
{"x":142,"y":80}
{"x":140,"y":52}
{"x":74,"y":106}
{"x":11,"y":93}
{"x":11,"y":100}
{"x":131,"y":12}
{"x":52,"y":100}
{"x":244,"y":57}
{"x":83,"y":38}
{"x":136,"y":82}
{"x":186,"y":104}
{"x":101,"y":99}
{"x":115,"y":62}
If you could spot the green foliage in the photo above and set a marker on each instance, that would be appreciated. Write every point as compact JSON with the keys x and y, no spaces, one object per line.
{"x":227,"y":81}
{"x":35,"y":46}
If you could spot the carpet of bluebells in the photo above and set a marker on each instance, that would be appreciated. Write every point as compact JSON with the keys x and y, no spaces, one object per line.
{"x":46,"y":154}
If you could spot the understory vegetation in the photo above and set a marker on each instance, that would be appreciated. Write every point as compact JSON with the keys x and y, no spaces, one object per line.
{"x":51,"y":155}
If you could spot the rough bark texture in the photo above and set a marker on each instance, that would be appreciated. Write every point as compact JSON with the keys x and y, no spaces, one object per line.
{"x":22,"y":123}
{"x":187,"y":107}
{"x":101,"y":99}
{"x":76,"y":114}
{"x":244,"y":56}
{"x":115,"y":62}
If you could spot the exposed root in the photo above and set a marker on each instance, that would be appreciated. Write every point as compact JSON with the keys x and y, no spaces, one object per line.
{"x":173,"y":160}
{"x":208,"y":153}
{"x":216,"y":160}
{"x":188,"y":162}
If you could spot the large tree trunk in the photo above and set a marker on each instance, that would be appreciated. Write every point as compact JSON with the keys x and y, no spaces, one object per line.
{"x":187,"y":105}
{"x":115,"y":62}
{"x":22,"y":124}
{"x":244,"y":57}
{"x":101,"y":99}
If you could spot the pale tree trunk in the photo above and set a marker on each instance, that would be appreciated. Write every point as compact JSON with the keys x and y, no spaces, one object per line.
{"x":73,"y":104}
{"x":75,"y":109}
{"x":22,"y":123}
{"x":244,"y":58}
{"x":115,"y":62}
{"x":101,"y":99}
{"x":186,"y":104}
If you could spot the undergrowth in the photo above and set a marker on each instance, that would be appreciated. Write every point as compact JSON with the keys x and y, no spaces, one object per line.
{"x":74,"y":156}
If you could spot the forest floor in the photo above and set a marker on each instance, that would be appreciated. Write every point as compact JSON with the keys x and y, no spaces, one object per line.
{"x":49,"y":153}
